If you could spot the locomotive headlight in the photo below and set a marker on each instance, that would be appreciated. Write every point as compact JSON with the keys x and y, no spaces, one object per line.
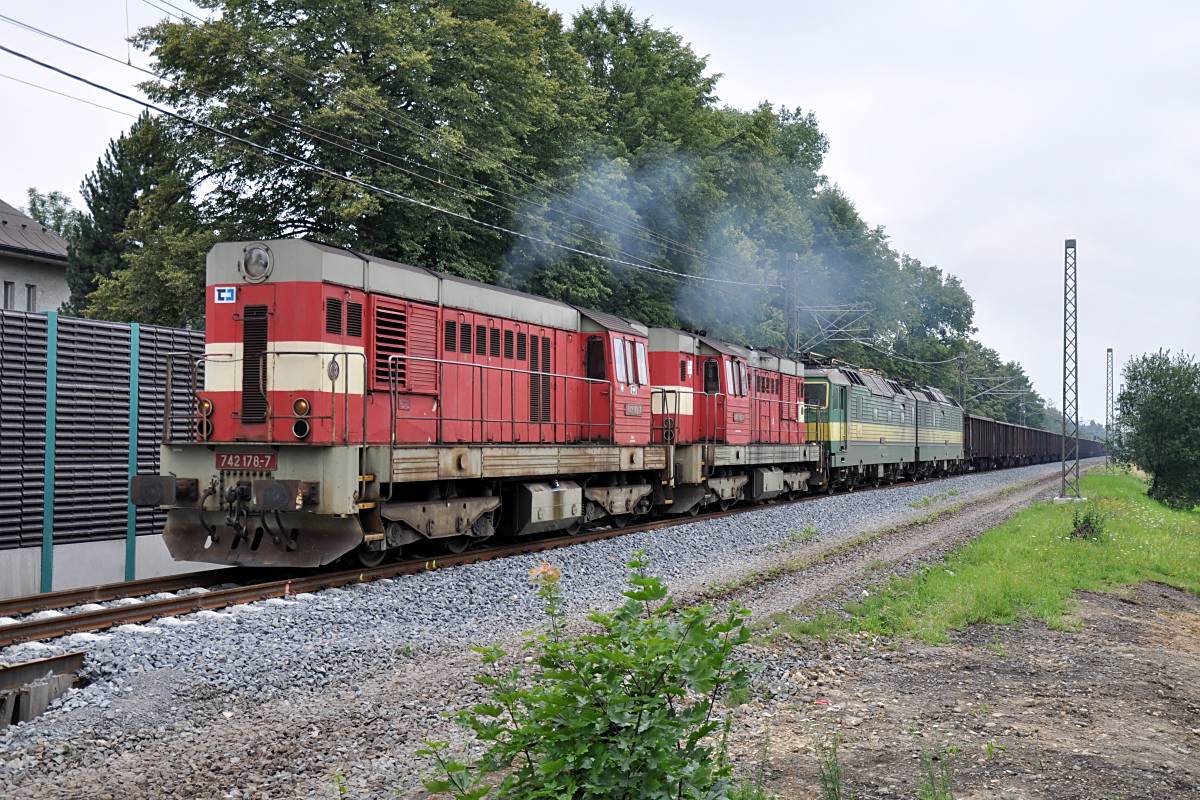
{"x":300,"y":428}
{"x":256,"y":263}
{"x":301,"y":406}
{"x":206,"y":407}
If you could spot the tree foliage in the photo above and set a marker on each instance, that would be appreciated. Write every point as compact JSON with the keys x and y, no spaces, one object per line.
{"x":601,"y":137}
{"x":124,"y":173}
{"x":54,"y":210}
{"x":630,"y":709}
{"x":1158,"y":425}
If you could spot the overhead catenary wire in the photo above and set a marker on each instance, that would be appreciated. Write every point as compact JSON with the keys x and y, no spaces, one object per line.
{"x":277,"y":154}
{"x":338,"y":141}
{"x":378,"y":107}
{"x":899,"y":357}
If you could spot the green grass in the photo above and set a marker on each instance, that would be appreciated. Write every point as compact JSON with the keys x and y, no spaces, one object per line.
{"x":1030,"y":567}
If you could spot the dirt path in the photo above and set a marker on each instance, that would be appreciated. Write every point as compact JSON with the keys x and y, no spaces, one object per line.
{"x":1110,"y":710}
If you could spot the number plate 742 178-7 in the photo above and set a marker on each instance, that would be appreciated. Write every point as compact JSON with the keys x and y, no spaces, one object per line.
{"x":251,"y":461}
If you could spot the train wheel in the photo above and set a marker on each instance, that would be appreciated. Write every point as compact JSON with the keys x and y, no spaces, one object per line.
{"x":369,"y":558}
{"x":457,"y":544}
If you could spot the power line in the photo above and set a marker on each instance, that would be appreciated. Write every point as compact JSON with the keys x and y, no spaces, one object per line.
{"x":68,"y":96}
{"x":271,"y":151}
{"x":898,"y":357}
{"x":316,"y":133}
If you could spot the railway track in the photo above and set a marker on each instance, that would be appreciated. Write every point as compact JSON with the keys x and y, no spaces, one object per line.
{"x":86,"y":621}
{"x":65,"y":598}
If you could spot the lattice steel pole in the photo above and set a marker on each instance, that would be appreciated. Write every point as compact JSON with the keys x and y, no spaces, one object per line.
{"x":1070,"y":406}
{"x":1108,"y":411}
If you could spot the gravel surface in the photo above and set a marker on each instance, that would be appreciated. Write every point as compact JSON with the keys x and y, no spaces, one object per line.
{"x":390,"y":654}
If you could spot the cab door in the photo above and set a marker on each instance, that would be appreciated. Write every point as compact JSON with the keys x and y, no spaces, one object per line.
{"x":712,"y":402}
{"x":599,"y":393}
{"x":840,"y":411}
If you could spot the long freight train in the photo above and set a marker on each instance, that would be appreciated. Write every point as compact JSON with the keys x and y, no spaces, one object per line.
{"x":351,"y":406}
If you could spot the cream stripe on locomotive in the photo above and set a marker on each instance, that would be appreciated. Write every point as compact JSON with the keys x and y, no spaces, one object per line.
{"x":290,"y":367}
{"x":941,"y":436}
{"x":677,"y":400}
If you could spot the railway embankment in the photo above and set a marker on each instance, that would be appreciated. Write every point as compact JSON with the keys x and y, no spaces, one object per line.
{"x":273,"y":698}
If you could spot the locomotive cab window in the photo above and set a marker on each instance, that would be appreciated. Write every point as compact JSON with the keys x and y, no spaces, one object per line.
{"x":619,"y":372}
{"x":712,"y":377}
{"x":643,"y":367}
{"x":595,"y":359}
{"x":816,"y":394}
{"x":631,"y":364}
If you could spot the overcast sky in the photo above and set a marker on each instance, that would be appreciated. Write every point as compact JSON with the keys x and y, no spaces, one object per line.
{"x":979,"y":134}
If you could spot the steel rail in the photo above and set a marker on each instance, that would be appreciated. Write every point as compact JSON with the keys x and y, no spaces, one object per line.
{"x":65,"y":598}
{"x":53,"y":627}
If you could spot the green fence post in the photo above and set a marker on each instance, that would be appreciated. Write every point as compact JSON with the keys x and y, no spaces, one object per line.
{"x":135,"y":349}
{"x":48,"y":470}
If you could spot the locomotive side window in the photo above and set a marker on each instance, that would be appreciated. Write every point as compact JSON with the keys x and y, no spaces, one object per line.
{"x":631,"y":364}
{"x":743,"y":380}
{"x":643,"y":369}
{"x":619,"y":368}
{"x":712,"y":377}
{"x":730,"y":386}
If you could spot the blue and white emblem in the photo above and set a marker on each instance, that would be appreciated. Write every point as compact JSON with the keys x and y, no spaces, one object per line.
{"x":225,"y":294}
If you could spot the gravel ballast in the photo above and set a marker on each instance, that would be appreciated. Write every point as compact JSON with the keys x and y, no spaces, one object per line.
{"x":171,"y":678}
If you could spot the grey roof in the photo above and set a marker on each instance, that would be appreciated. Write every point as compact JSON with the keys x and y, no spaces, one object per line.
{"x":613,"y":323}
{"x":726,"y":348}
{"x":19,"y":233}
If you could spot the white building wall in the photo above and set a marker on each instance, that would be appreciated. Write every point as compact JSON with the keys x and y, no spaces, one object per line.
{"x":49,"y":278}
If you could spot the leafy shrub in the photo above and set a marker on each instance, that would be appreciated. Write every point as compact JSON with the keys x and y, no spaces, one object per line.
{"x":1089,"y":522}
{"x":630,"y":710}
